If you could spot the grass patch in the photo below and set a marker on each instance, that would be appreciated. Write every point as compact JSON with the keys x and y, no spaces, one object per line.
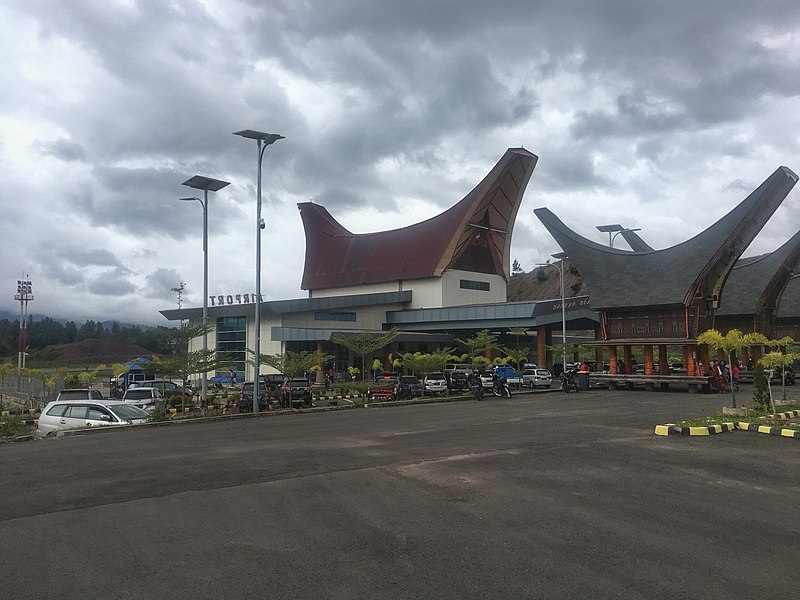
{"x":761,"y":417}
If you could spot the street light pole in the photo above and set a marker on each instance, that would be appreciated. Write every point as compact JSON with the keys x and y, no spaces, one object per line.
{"x":264,"y":140}
{"x":204,"y":183}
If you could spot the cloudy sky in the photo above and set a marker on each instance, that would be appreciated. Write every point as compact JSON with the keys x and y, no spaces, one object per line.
{"x":658,"y":115}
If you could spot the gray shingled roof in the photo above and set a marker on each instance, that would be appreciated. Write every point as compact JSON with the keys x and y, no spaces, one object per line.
{"x":757,"y":284}
{"x":789,"y":306}
{"x":673,"y":276}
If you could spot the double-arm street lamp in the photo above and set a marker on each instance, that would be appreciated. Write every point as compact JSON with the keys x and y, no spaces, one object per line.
{"x":613,"y":231}
{"x":561,"y":256}
{"x":204,"y":183}
{"x":264,"y":140}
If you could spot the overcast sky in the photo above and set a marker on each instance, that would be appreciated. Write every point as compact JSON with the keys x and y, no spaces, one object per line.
{"x":658,"y":115}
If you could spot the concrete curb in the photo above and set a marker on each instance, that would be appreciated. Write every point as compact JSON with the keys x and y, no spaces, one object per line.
{"x":672,"y":429}
{"x":776,"y":431}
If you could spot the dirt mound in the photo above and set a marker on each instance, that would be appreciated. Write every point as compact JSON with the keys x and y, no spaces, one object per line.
{"x":90,"y":352}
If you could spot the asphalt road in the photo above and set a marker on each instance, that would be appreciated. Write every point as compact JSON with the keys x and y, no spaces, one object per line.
{"x":540,"y":496}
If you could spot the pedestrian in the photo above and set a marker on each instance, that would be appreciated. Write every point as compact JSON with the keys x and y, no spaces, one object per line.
{"x":698,"y":370}
{"x":717,"y":379}
{"x":735,"y":373}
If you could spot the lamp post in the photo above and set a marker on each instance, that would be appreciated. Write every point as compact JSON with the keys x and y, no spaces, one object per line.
{"x":613,"y":231}
{"x":561,"y":256}
{"x":264,"y":140}
{"x":204,"y":183}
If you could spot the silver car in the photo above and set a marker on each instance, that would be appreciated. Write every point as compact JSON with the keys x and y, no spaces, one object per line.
{"x":60,"y":415}
{"x":537,"y":378}
{"x":146,"y":398}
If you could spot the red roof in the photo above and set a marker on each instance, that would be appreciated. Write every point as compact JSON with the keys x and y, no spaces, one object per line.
{"x":475,"y":234}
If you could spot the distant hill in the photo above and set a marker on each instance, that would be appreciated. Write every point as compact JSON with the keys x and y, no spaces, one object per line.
{"x":87,"y":352}
{"x":544,"y":284}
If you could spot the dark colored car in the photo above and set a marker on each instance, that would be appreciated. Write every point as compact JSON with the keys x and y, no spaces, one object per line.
{"x":268,"y":384}
{"x":457,"y":381}
{"x":296,"y":392}
{"x":410,"y":385}
{"x":167,"y":388}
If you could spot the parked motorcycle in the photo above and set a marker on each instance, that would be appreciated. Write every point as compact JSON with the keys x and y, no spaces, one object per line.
{"x":476,"y":385}
{"x":500,"y":387}
{"x":569,"y":381}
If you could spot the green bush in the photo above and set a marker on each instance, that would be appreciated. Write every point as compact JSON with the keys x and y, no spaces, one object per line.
{"x":13,"y":426}
{"x":157,"y":416}
{"x":760,"y":390}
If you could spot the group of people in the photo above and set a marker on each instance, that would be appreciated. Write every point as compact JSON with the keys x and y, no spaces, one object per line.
{"x":720,"y":374}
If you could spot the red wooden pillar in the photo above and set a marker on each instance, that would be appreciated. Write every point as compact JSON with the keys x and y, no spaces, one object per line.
{"x":663,"y":364}
{"x":690,"y":363}
{"x":541,"y":346}
{"x":627,"y":355}
{"x":612,"y":359}
{"x":648,"y":359}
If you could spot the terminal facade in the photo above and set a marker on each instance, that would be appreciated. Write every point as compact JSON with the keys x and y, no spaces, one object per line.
{"x":446,"y":278}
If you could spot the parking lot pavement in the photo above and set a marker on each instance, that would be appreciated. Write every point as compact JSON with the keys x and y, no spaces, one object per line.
{"x":540,"y":496}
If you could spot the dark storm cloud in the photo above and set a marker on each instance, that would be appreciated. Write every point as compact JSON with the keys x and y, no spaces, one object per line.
{"x":111,"y":283}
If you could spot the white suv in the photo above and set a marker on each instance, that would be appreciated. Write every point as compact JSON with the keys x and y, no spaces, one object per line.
{"x":146,"y":398}
{"x":434,"y":383}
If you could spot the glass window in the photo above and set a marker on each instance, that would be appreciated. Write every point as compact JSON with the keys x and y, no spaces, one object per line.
{"x":482,"y":286}
{"x":231,"y":335}
{"x":58,"y":410}
{"x":98,"y":412}
{"x":76,"y":411}
{"x":322,"y":315}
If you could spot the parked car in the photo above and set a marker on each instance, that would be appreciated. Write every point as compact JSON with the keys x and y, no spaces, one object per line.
{"x":146,"y":398}
{"x":411,"y":385}
{"x":267,"y":385}
{"x":434,"y":383}
{"x":79,"y":394}
{"x":383,"y":389}
{"x":537,"y":378}
{"x":457,"y":381}
{"x":456,"y":367}
{"x":296,"y":392}
{"x":168,"y":388}
{"x":60,"y":415}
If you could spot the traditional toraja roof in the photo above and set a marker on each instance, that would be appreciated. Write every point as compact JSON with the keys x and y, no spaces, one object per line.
{"x":695,"y":269}
{"x":789,"y":307}
{"x":755,"y":285}
{"x":473,"y":235}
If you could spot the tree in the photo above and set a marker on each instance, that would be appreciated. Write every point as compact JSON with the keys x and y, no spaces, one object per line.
{"x":426,"y":363}
{"x":516,"y":332}
{"x":771,"y":361}
{"x":516,"y":269}
{"x":180,"y":361}
{"x":364,"y":344}
{"x":478,"y":345}
{"x":733,"y":340}
{"x":293,"y":364}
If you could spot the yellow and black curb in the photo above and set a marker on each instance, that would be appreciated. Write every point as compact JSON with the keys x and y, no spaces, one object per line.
{"x":792,"y":414}
{"x":776,"y":431}
{"x":672,"y":429}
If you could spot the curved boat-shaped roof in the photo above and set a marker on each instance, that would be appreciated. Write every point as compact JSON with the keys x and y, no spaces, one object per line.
{"x":473,"y":235}
{"x":755,"y":286}
{"x":690,"y":271}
